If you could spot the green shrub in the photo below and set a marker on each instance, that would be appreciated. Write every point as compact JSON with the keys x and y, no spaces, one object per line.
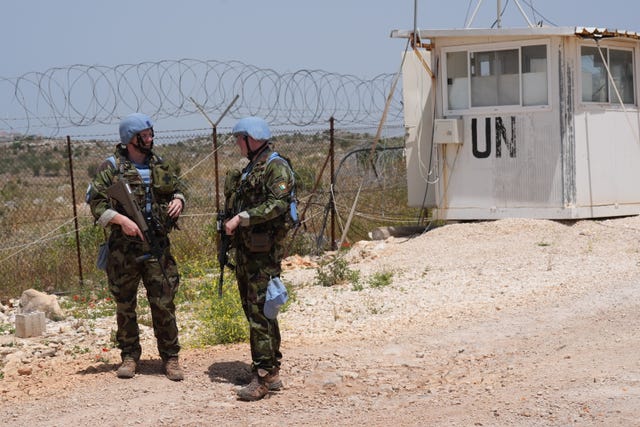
{"x":216,"y":320}
{"x":380,"y":279}
{"x":357,"y":287}
{"x":335,"y":271}
{"x":89,"y":303}
{"x":219,"y":320}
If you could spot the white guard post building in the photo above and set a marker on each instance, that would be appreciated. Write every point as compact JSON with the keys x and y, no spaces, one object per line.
{"x":538,"y":122}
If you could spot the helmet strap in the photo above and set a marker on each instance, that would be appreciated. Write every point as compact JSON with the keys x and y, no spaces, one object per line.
{"x":139,"y":144}
{"x":252,"y":154}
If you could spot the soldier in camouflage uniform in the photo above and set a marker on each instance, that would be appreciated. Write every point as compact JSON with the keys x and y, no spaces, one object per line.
{"x":259,"y":197}
{"x":159,"y":193}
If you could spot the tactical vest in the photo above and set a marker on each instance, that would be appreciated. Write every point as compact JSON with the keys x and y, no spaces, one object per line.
{"x":293,"y":201}
{"x":153,"y":188}
{"x":292,"y":214}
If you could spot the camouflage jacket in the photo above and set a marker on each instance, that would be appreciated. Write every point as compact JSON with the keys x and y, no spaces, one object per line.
{"x":165,"y":186}
{"x":262,"y":194}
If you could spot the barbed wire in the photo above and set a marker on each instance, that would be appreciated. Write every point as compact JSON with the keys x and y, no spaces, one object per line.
{"x":84,"y":95}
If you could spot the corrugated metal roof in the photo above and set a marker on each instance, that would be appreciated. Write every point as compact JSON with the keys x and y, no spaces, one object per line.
{"x":590,"y":32}
{"x":605,"y":32}
{"x":485,"y":32}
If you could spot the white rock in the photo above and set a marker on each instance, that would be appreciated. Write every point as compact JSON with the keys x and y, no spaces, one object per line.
{"x":32,"y":300}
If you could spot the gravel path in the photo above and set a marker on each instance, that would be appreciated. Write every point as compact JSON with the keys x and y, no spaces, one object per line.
{"x":512,"y":322}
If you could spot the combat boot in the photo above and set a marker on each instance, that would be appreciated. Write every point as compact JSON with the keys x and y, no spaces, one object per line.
{"x":261,"y":383}
{"x":128,"y":368}
{"x":173,"y":370}
{"x":272,"y":380}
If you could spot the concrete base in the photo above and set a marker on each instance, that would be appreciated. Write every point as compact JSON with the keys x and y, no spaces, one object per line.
{"x":30,"y":324}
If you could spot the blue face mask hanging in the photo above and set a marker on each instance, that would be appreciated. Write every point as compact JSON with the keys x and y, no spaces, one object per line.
{"x":276,"y":297}
{"x":103,"y":255}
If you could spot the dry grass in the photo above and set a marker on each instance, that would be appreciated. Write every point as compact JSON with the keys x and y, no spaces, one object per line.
{"x":39,"y":248}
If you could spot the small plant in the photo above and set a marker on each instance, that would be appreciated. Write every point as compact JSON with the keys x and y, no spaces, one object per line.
{"x":79,"y":350}
{"x":380,"y":279}
{"x":194,"y":268}
{"x":7,"y":328}
{"x":89,"y":303}
{"x":426,"y":271}
{"x":544,"y":244}
{"x":102,"y":357}
{"x":219,"y":320}
{"x":372,"y":306}
{"x":335,"y":271}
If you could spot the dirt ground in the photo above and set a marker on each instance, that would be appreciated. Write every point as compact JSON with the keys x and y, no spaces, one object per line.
{"x":512,"y":322}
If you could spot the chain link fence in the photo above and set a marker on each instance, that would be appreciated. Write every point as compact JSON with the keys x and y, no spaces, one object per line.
{"x":49,"y":240}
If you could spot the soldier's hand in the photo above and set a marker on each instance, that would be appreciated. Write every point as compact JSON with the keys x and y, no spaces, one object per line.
{"x":129,"y":227}
{"x":231,"y":225}
{"x":175,"y":208}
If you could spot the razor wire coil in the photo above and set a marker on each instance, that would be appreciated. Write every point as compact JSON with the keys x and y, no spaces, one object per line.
{"x":84,"y":95}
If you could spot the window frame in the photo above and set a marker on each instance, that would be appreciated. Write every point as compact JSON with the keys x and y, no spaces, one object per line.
{"x":492,"y":47}
{"x":611,"y":94}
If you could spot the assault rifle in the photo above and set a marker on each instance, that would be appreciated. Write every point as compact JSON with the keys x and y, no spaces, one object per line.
{"x":224,"y":241}
{"x":121,"y":192}
{"x":223,"y":247}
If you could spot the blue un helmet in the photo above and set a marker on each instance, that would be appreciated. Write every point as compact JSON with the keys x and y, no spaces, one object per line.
{"x":256,"y":127}
{"x":133,"y":124}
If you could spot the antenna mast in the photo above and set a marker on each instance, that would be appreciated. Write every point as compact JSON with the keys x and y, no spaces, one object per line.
{"x":498,"y":14}
{"x":416,"y":39}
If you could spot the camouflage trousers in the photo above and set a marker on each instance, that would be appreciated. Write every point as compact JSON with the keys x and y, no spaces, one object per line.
{"x":125,"y":269}
{"x":253,"y":272}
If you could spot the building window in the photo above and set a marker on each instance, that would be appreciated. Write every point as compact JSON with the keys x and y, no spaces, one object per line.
{"x":489,"y":78}
{"x":457,"y":80}
{"x":535,"y":87}
{"x":494,"y":78}
{"x":595,"y":79}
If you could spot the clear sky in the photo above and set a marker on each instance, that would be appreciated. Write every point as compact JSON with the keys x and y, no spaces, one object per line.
{"x":343,"y":36}
{"x":337,"y":36}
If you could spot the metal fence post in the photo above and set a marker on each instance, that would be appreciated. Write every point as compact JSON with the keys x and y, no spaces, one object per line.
{"x":332,"y":177}
{"x":75,"y":209}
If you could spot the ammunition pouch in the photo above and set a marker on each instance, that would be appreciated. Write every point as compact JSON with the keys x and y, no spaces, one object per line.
{"x":163,"y":179}
{"x":231,"y":181}
{"x":260,"y":242}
